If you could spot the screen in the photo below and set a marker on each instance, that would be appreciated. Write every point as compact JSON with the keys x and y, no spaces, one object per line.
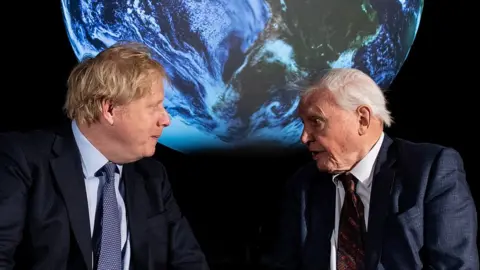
{"x":235,"y":66}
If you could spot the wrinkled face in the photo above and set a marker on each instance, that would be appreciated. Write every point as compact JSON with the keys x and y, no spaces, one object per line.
{"x":139,"y":124}
{"x":330,"y":132}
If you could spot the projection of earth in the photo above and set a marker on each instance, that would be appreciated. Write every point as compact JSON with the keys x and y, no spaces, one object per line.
{"x":234,"y":66}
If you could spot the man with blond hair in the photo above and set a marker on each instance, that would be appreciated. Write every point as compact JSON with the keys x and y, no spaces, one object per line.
{"x":89,"y":197}
{"x":368,"y":201}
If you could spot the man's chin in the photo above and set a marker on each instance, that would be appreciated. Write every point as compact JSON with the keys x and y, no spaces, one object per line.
{"x":321,"y":165}
{"x":325,"y":166}
{"x":150,"y":152}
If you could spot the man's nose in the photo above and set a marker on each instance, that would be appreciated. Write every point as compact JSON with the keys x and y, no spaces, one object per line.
{"x":305,"y":138}
{"x":164,"y":120}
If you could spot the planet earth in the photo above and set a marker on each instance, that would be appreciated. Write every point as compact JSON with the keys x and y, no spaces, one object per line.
{"x":236,"y":67}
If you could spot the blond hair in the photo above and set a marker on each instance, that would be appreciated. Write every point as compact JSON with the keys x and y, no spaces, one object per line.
{"x":120,"y":74}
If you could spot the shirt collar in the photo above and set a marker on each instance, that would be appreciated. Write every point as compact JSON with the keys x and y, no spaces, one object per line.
{"x":364,"y":168}
{"x":92,"y":159}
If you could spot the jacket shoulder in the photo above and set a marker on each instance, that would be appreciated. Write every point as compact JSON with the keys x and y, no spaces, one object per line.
{"x":422,"y":151}
{"x":37,"y":142}
{"x":151,"y":167}
{"x":421,"y":163}
{"x":301,"y":178}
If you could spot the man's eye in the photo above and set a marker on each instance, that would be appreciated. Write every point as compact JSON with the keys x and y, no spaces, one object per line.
{"x":318,"y":121}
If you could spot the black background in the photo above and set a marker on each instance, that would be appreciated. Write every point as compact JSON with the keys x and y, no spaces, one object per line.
{"x":231,"y":198}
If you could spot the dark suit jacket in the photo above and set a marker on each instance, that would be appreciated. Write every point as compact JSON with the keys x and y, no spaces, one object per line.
{"x":422,"y":214}
{"x":44,"y":222}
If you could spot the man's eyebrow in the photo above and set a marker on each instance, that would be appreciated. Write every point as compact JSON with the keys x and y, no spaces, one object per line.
{"x":317,"y":114}
{"x":158,"y":102}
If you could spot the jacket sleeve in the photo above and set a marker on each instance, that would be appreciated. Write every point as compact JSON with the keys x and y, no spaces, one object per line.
{"x":283,"y":253}
{"x":450,"y":216}
{"x":185,"y":252}
{"x":14,"y":182}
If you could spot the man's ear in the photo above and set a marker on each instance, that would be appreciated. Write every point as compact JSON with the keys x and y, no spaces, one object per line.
{"x":107,"y":111}
{"x":364,"y":118}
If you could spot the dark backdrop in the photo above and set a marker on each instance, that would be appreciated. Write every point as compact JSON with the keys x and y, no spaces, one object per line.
{"x":230,"y":199}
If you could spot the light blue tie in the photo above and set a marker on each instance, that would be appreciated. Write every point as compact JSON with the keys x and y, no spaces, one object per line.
{"x":110,"y":253}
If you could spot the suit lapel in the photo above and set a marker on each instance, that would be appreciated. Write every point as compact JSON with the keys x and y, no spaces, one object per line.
{"x":137,"y":205}
{"x":383,"y":179}
{"x":66,"y":167}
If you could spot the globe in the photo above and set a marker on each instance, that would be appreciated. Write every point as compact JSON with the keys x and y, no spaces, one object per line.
{"x":235,"y":67}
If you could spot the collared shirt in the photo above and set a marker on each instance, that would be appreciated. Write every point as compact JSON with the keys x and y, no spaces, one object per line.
{"x":92,"y":161}
{"x":363,"y":171}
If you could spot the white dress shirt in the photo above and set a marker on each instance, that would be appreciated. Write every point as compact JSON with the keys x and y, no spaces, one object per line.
{"x":363,"y":171}
{"x":92,"y":161}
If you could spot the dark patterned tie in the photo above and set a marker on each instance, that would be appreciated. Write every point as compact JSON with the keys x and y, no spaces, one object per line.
{"x":107,"y":247}
{"x":350,"y":250}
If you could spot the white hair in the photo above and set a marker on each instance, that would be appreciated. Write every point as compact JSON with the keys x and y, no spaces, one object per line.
{"x":352,"y":88}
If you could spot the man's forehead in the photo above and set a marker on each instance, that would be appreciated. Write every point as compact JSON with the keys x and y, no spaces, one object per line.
{"x":318,"y":93}
{"x":157,"y":87}
{"x":310,"y":109}
{"x":313,"y":102}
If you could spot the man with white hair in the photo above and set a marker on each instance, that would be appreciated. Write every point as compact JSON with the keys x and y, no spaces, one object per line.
{"x":368,"y":201}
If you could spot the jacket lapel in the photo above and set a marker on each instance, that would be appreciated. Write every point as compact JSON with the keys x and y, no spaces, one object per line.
{"x":66,"y":167}
{"x":137,"y":205}
{"x":383,"y":179}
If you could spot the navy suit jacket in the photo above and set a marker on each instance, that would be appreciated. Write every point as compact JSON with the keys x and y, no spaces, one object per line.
{"x":44,"y":221}
{"x":422,"y":214}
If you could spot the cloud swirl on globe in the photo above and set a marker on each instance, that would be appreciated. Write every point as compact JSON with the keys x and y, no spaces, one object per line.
{"x":235,"y":66}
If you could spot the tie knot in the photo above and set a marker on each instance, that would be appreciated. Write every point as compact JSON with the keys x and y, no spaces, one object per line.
{"x":349,"y":182}
{"x":110,"y":169}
